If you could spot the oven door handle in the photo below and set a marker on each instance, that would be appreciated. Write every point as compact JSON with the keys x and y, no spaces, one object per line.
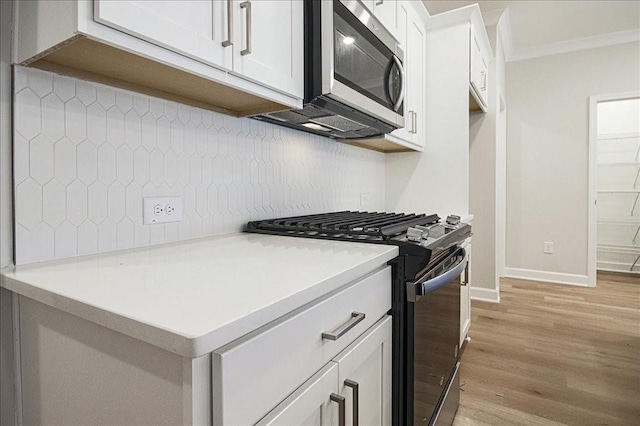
{"x":417,"y":289}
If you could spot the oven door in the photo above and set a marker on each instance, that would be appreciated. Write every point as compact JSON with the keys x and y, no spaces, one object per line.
{"x":362,"y":64}
{"x":434,"y":333}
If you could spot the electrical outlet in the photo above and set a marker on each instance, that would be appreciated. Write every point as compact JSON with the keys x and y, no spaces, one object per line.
{"x":364,"y":199}
{"x":548,"y":247}
{"x":161,"y":209}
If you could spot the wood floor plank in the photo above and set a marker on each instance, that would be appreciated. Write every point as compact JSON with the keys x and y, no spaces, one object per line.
{"x":551,"y":354}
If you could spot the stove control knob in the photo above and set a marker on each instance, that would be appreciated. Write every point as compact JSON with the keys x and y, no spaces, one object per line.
{"x":414,"y":234}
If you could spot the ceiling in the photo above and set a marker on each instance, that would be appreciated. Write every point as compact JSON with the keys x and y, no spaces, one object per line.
{"x":540,"y":23}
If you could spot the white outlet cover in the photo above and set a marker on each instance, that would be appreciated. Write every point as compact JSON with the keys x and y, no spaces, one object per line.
{"x":548,"y":247}
{"x":161,"y":210}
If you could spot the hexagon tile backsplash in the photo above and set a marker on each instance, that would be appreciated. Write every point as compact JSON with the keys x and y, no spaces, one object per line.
{"x":86,"y":154}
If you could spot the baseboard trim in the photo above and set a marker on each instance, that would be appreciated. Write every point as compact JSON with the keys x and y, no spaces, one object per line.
{"x":484,"y":294}
{"x":548,"y":277}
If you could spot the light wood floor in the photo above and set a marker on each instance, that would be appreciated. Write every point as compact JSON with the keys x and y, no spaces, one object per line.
{"x":553,"y":354}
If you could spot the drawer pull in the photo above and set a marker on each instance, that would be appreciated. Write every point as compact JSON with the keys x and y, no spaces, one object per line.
{"x":356,"y":317}
{"x":341,"y":408}
{"x":356,"y":400}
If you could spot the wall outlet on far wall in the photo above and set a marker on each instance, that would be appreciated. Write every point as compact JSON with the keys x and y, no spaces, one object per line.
{"x":161,"y":209}
{"x":548,"y":247}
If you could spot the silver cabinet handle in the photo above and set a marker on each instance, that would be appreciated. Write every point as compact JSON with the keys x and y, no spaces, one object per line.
{"x":415,"y":122}
{"x":356,"y":317}
{"x":247,"y":5}
{"x":379,"y":2}
{"x":229,"y":40}
{"x":356,"y":400}
{"x":484,"y":80}
{"x":341,"y":408}
{"x":466,"y":275}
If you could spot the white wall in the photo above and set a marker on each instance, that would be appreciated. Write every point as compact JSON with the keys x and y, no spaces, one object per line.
{"x":6,"y":217}
{"x":547,"y":154}
{"x":86,"y":154}
{"x":437,"y":180}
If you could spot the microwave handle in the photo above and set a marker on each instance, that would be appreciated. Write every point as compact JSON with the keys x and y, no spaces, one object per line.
{"x":402,"y":83}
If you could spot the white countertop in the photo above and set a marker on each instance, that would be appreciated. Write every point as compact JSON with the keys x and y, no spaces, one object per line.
{"x":194,"y":296}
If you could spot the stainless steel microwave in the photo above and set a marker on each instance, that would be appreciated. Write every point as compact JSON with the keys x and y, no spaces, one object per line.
{"x":354,"y":74}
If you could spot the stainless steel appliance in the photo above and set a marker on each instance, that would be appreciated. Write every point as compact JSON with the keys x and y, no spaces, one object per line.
{"x":426,"y":300}
{"x":354,"y":75}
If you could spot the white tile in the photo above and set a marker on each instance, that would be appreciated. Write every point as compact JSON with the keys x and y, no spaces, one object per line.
{"x":107,"y":236}
{"x":97,"y":124}
{"x":170,"y":168}
{"x":87,"y":165}
{"x":232,"y":197}
{"x":218,"y":171}
{"x":106,"y":96}
{"x":132,"y":129}
{"x":41,"y":242}
{"x":40,"y":82}
{"x":87,"y":238}
{"x":115,"y":127}
{"x":184,"y":113}
{"x":163,"y":134}
{"x":86,"y":92}
{"x":156,"y":107}
{"x":189,"y":138}
{"x":148,"y":132}
{"x":177,"y":136}
{"x":141,"y":104}
{"x":20,"y":158}
{"x":184,"y":174}
{"x":170,"y":110}
{"x":207,"y":118}
{"x":21,"y":78}
{"x":228,"y":171}
{"x":141,"y":166}
{"x":27,"y":114}
{"x":201,"y":140}
{"x":156,"y":233}
{"x":97,"y":202}
{"x":41,"y":156}
{"x":223,"y":199}
{"x":196,"y":169}
{"x":141,"y":235}
{"x":54,"y":203}
{"x":75,"y":120}
{"x":207,"y":170}
{"x":22,"y":246}
{"x":196,"y":116}
{"x":125,"y":234}
{"x":195,"y":226}
{"x":201,"y":200}
{"x":124,"y":164}
{"x":116,"y":202}
{"x":236,"y":171}
{"x":133,"y":197}
{"x":218,"y":120}
{"x":212,"y":199}
{"x":189,"y":200}
{"x":76,"y":202}
{"x":53,"y":117}
{"x":156,"y":163}
{"x":106,"y":163}
{"x":29,"y":204}
{"x":65,"y":161}
{"x":171,"y":231}
{"x":66,"y":240}
{"x":184,"y":228}
{"x":64,"y":87}
{"x":124,"y":100}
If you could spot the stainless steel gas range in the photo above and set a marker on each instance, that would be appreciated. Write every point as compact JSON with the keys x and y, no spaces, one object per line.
{"x":426,"y":300}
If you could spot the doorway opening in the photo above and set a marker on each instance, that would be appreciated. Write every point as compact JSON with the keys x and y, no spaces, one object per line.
{"x":615,"y":184}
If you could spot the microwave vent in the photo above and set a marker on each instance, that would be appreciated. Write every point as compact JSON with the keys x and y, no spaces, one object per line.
{"x":288,"y":117}
{"x":339,"y":123}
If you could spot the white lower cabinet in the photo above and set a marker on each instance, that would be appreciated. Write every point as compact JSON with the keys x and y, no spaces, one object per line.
{"x":357,"y":381}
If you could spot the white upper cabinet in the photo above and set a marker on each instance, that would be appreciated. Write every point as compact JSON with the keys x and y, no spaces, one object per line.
{"x":268,"y":43}
{"x":387,"y":13}
{"x":196,"y":29}
{"x":478,"y":73}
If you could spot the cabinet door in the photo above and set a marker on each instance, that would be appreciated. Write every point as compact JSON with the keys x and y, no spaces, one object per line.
{"x":416,"y":45}
{"x":193,"y":28}
{"x":364,"y":372}
{"x":387,"y":13}
{"x":309,"y":405}
{"x":268,"y":43}
{"x":465,"y":300}
{"x":478,"y":70}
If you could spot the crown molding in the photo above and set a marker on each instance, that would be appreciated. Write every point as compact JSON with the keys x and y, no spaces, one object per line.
{"x":611,"y":39}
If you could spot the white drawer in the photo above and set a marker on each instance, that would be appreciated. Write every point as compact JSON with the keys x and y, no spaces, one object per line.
{"x":253,"y":374}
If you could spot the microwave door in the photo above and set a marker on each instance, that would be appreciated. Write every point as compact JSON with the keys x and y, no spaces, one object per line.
{"x":359,"y":69}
